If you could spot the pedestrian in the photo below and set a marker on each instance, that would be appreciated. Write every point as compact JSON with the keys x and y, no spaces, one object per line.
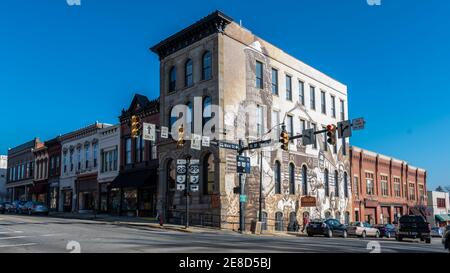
{"x":305,"y":222}
{"x":296,"y":226}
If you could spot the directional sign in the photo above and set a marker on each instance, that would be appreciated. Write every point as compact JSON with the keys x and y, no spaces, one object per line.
{"x":164,"y":132}
{"x":181,"y":161}
{"x":181,"y":179}
{"x":194,"y":169}
{"x":181,"y":187}
{"x":149,"y":131}
{"x":181,"y":169}
{"x":308,"y":137}
{"x":243,"y":164}
{"x":358,"y":123}
{"x":205,"y":141}
{"x":259,"y":144}
{"x":195,"y":179}
{"x":194,"y":187}
{"x":227,"y":145}
{"x":344,"y":129}
{"x":196,"y":142}
{"x":243,"y":198}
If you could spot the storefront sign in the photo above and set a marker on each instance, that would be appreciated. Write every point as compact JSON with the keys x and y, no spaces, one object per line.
{"x":308,"y":201}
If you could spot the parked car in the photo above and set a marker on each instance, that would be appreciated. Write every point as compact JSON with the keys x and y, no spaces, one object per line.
{"x":2,"y":207}
{"x":8,"y":207}
{"x":446,"y":238}
{"x":437,"y":232}
{"x":362,"y":229}
{"x":17,"y":206}
{"x":33,"y":207}
{"x":328,"y":228}
{"x":387,"y":230}
{"x":414,"y":226}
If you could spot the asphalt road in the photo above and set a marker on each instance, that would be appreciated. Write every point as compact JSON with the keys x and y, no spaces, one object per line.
{"x":36,"y":234}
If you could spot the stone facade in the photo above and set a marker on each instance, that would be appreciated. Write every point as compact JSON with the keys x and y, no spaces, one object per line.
{"x":3,"y":167}
{"x":232,"y":87}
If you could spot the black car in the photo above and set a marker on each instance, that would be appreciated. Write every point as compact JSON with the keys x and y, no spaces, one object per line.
{"x":414,"y":226}
{"x":2,"y":207}
{"x":388,"y":230}
{"x":446,"y":238}
{"x":328,"y":228}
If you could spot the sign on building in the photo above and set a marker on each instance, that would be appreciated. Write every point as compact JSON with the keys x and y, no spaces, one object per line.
{"x":196,"y":142}
{"x":149,"y":131}
{"x":308,"y":201}
{"x":164,"y":132}
{"x":194,"y":174}
{"x":181,"y":174}
{"x":243,"y":164}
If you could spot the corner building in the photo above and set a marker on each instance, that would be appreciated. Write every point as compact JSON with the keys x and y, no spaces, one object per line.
{"x":257,"y":85}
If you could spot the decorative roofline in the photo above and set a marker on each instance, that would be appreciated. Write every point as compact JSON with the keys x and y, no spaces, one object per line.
{"x":213,"y":23}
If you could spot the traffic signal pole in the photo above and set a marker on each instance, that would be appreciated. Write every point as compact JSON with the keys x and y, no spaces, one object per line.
{"x":241,"y":192}
{"x":188,"y":159}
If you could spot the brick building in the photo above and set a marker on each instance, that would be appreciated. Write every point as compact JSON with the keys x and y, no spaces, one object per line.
{"x":383,"y":187}
{"x":54,"y":171}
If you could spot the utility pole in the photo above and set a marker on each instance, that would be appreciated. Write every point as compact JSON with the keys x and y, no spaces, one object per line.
{"x":241,"y":193}
{"x":188,"y":159}
{"x":260,"y":185}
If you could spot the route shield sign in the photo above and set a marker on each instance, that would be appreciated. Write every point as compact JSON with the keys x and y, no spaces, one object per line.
{"x":243,"y":164}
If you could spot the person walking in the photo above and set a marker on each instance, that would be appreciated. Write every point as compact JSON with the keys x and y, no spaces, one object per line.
{"x":305,"y":222}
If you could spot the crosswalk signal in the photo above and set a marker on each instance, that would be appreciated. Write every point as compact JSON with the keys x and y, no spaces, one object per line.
{"x":331,"y":134}
{"x":284,"y":140}
{"x":180,"y":141}
{"x":135,"y":126}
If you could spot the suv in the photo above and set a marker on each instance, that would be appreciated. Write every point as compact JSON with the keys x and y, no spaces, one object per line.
{"x":414,"y":226}
{"x":446,"y":238}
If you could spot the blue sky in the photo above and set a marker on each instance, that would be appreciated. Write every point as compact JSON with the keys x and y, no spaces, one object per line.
{"x":63,"y":67}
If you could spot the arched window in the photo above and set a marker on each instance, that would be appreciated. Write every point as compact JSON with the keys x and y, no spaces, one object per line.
{"x":278,"y":221}
{"x":292,"y":221}
{"x":207,"y":109}
{"x":206,"y":66}
{"x":326,"y":180}
{"x":336,"y":183}
{"x":345,"y":185}
{"x":264,"y":220}
{"x":208,"y":174}
{"x":277,"y":176}
{"x":172,"y":78}
{"x":338,"y":216}
{"x":305,"y":180}
{"x":327,"y":215}
{"x":291,"y":178}
{"x":188,"y":80}
{"x":347,"y":218}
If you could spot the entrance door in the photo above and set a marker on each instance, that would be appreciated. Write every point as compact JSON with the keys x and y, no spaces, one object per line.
{"x":67,"y":207}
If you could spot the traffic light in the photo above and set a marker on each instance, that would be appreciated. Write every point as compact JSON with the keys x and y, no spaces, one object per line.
{"x":331,"y":134}
{"x":180,"y":141}
{"x":135,"y":126}
{"x":284,"y":140}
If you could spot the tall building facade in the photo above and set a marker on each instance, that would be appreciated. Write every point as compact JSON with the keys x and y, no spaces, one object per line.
{"x":439,"y":206}
{"x":385,"y":188}
{"x":221,"y":72}
{"x":3,"y":167}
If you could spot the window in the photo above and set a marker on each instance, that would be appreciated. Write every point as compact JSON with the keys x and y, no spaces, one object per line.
{"x":274,"y":81}
{"x":333,"y":106}
{"x":109,"y":160}
{"x":95,"y":154}
{"x":421,"y":193}
{"x":301,"y":92}
{"x":440,"y":202}
{"x":277,"y":176}
{"x":128,"y":150}
{"x":188,"y":79}
{"x":323,"y":102}
{"x":71,"y":160}
{"x":397,"y":191}
{"x":347,"y":218}
{"x":370,"y":187}
{"x":384,"y":185}
{"x":207,"y":110}
{"x":264,"y":220}
{"x":336,"y":183}
{"x":172,"y":79}
{"x":79,"y":158}
{"x":65,"y":161}
{"x":314,"y":126}
{"x":275,"y":123}
{"x":345,"y":185}
{"x":342,"y":110}
{"x":305,"y":180}
{"x":355,"y":186}
{"x":139,"y":149}
{"x":206,"y":66}
{"x":290,"y":126}
{"x":288,"y":87}
{"x":279,"y":221}
{"x":86,"y":156}
{"x":412,"y":192}
{"x":302,"y":125}
{"x":259,"y":121}
{"x":312,"y":97}
{"x":291,"y":178}
{"x":208,"y":174}
{"x":327,"y":183}
{"x":259,"y":75}
{"x":325,"y":143}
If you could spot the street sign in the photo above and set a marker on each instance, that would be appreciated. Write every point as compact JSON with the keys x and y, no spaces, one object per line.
{"x":181,"y":169}
{"x":181,"y":187}
{"x":243,"y":198}
{"x":205,"y":141}
{"x":228,"y":145}
{"x":181,"y":179}
{"x":149,"y":131}
{"x":259,"y":144}
{"x":243,"y":164}
{"x":164,"y":132}
{"x":308,"y":137}
{"x":344,"y":129}
{"x":196,"y":142}
{"x":358,"y":123}
{"x":195,"y":179}
{"x":194,"y":187}
{"x":181,"y":161}
{"x":194,"y":169}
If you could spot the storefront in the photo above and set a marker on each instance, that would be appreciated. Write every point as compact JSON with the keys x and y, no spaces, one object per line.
{"x":67,"y":194}
{"x":134,"y":193}
{"x":87,"y":193}
{"x":370,"y":211}
{"x":103,"y":197}
{"x":385,"y":215}
{"x":53,"y":196}
{"x":39,"y":192}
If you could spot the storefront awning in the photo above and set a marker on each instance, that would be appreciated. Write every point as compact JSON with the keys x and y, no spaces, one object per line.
{"x":442,"y":217}
{"x":135,"y":179}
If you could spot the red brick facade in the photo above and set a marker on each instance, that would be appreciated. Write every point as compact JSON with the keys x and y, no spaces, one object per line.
{"x":384,"y":188}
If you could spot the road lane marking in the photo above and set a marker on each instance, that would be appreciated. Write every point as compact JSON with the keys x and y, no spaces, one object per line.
{"x":15,"y":237}
{"x":8,"y":232}
{"x":29,"y":244}
{"x":54,"y":234}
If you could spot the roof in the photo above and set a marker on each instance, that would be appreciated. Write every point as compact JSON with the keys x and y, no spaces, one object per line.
{"x":206,"y":26}
{"x":141,"y":103}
